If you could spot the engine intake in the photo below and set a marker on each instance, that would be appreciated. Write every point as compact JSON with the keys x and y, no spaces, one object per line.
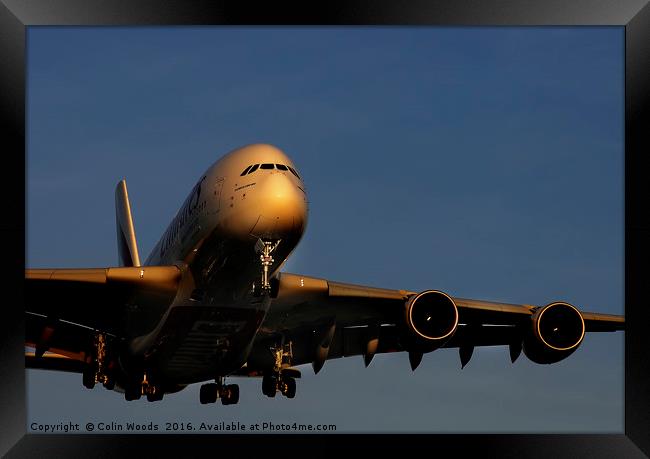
{"x":431,"y":317}
{"x":557,"y":331}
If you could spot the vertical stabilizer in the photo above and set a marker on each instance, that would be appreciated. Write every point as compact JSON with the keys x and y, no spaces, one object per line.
{"x":127,"y":247}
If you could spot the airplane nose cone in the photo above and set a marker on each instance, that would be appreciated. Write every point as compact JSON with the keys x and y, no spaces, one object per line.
{"x":283,"y":207}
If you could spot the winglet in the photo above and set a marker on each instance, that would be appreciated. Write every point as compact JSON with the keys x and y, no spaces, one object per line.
{"x":126,"y":243}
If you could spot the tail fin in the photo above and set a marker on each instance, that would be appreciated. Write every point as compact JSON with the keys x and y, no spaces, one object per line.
{"x":127,"y":246}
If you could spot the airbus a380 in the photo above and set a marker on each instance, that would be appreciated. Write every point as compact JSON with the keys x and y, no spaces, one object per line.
{"x":210,"y":302}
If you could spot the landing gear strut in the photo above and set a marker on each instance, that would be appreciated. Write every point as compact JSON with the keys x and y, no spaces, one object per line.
{"x":282,"y":377}
{"x":96,"y":371}
{"x":228,"y":393}
{"x":265,"y":248}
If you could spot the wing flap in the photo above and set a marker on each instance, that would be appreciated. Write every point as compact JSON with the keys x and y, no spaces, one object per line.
{"x":353,"y":341}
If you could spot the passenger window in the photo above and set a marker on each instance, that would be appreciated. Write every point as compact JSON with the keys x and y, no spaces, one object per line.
{"x":281,"y":167}
{"x":254,"y":168}
{"x":293,"y":171}
{"x":267,"y":166}
{"x":245,"y":171}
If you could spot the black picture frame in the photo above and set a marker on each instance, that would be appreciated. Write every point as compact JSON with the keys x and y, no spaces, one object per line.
{"x":633,"y":15}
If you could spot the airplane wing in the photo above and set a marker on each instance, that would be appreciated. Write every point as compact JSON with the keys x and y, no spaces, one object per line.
{"x":325,"y":320}
{"x":65,"y":307}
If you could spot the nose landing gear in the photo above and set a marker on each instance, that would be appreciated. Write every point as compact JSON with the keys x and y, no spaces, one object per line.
{"x":228,"y":393}
{"x":265,"y":248}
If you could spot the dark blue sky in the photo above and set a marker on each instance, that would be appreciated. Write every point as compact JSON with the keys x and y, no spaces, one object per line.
{"x":485,"y":162}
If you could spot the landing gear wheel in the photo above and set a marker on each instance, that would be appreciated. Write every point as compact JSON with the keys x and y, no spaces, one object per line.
{"x":109,"y":383}
{"x":88,"y":377}
{"x":132,"y":392}
{"x":208,"y":393}
{"x":290,"y":388}
{"x":269,"y":385}
{"x":230,"y":394}
{"x":156,"y":396}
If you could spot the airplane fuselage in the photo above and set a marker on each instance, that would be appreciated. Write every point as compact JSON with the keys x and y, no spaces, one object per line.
{"x":250,"y":195}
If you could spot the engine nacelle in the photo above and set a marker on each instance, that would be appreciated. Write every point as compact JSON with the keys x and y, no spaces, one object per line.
{"x":557,"y":331}
{"x":431,"y":319}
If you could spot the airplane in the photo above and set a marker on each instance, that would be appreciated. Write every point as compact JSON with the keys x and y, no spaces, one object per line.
{"x":210,"y":301}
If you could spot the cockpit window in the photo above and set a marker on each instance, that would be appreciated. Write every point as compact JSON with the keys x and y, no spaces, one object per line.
{"x":252,"y":168}
{"x":293,"y":171}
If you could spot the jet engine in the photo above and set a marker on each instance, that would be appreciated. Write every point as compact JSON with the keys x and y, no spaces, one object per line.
{"x":557,"y":331}
{"x":431,"y":318}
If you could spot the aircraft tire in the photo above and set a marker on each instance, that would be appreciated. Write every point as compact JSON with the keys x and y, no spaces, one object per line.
{"x":208,"y":393}
{"x":291,"y":388}
{"x":88,"y":378}
{"x":155,"y":397}
{"x":232,"y":395}
{"x":132,"y":393}
{"x":110,"y":384}
{"x":269,"y":385}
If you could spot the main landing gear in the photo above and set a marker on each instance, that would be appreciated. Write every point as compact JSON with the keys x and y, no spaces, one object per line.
{"x":137,"y":389}
{"x":96,"y":370}
{"x":228,"y":393}
{"x":281,"y":379}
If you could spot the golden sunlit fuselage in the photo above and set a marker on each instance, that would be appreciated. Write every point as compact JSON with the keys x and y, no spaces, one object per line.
{"x":253,"y":193}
